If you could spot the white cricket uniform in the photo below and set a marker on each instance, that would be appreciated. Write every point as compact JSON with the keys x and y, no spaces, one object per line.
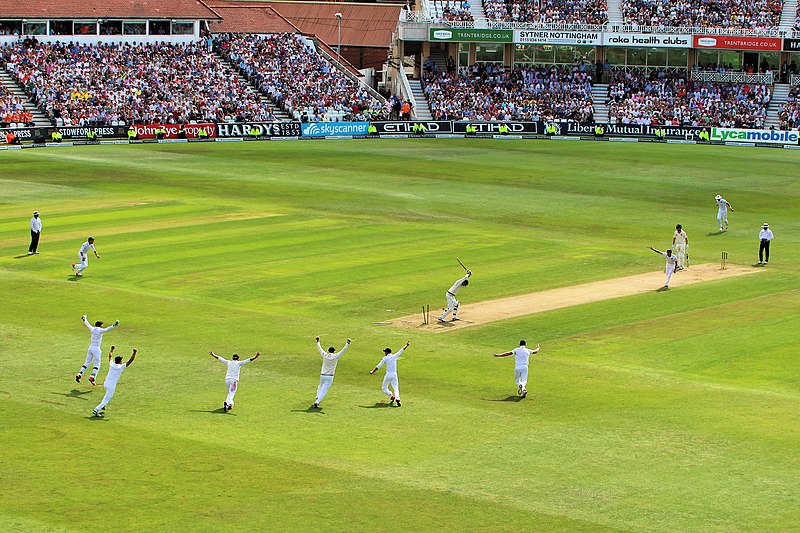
{"x":94,"y":351}
{"x":522,"y":357}
{"x":722,"y":213}
{"x":680,"y":239}
{"x":83,"y":256}
{"x":36,"y":224}
{"x":390,"y":377}
{"x":672,"y":260}
{"x":232,"y":376}
{"x":114,"y":372}
{"x":452,"y":302}
{"x":329,"y":362}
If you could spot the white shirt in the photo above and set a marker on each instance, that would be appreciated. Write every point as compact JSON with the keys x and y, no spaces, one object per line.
{"x":114,"y":372}
{"x":330,"y":360}
{"x":680,"y":237}
{"x":36,"y":224}
{"x":671,"y":259}
{"x":522,"y":355}
{"x":85,"y":247}
{"x":97,"y":333}
{"x":390,"y":361}
{"x":233,"y":367}
{"x":722,"y":203}
{"x":457,"y":285}
{"x":766,"y":234}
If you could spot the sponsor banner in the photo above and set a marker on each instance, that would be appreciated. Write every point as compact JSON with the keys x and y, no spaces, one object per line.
{"x":628,"y":130}
{"x":265,"y":129}
{"x":594,"y":38}
{"x":25,"y":134}
{"x":493,"y":127}
{"x":114,"y":142}
{"x":229,"y":140}
{"x":624,"y":139}
{"x":334,"y":129}
{"x":79,"y":132}
{"x":735,"y":135}
{"x":728,"y":42}
{"x":791,"y":45}
{"x":405,"y":127}
{"x":148,"y":131}
{"x":650,"y":40}
{"x":471,"y":35}
{"x":680,"y":141}
{"x":562,"y":138}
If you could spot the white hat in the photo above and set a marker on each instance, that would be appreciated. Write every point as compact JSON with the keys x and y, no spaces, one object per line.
{"x":764,"y":225}
{"x":36,"y":212}
{"x":717,"y":197}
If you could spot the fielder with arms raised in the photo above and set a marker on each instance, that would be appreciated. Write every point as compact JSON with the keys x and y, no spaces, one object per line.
{"x":390,"y":360}
{"x":232,"y":376}
{"x":522,"y":356}
{"x":114,"y":372}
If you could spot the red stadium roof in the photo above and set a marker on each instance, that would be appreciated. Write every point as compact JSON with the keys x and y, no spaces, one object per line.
{"x":251,"y":19}
{"x":106,"y":9}
{"x":362,"y":24}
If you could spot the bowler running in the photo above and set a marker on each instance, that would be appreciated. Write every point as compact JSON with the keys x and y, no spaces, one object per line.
{"x":83,"y":256}
{"x":390,"y":378}
{"x":669,"y":269}
{"x":522,"y":357}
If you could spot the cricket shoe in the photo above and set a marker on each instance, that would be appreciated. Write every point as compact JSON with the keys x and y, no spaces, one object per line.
{"x":73,"y":266}
{"x":35,"y":253}
{"x":225,"y":407}
{"x":30,"y":253}
{"x":454,"y":319}
{"x":520,"y":389}
{"x":524,"y":392}
{"x":95,"y":412}
{"x":78,"y":275}
{"x":91,"y":380}
{"x":766,"y":262}
{"x":397,"y":402}
{"x":391,"y":400}
{"x":440,"y":319}
{"x":78,"y":378}
{"x":761,"y":262}
{"x":315,"y":406}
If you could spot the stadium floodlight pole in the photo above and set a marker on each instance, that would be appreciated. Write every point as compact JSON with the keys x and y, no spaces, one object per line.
{"x":338,"y":38}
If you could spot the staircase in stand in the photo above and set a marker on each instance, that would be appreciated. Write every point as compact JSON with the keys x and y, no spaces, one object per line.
{"x":422,"y":111}
{"x":780,"y":92}
{"x":276,"y":111}
{"x":437,"y":56}
{"x":599,"y":97}
{"x":39,"y":118}
{"x":788,"y":16}
{"x":615,"y":11}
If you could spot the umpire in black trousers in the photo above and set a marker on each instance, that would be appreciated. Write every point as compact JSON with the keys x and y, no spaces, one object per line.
{"x":36,"y":231}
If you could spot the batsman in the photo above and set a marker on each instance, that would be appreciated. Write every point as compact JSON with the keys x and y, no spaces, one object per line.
{"x":452,"y":302}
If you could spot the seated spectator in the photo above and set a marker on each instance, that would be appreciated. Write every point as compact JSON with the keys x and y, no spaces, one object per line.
{"x":12,"y":109}
{"x":547,"y":11}
{"x":299,"y":79}
{"x":87,"y":85}
{"x":667,"y":98}
{"x":752,"y":15}
{"x":490,"y":92}
{"x":790,"y":113}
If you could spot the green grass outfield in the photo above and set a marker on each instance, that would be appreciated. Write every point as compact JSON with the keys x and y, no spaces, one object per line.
{"x":665,"y":411}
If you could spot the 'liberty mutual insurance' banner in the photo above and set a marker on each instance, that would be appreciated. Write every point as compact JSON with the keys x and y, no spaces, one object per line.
{"x":334,"y":129}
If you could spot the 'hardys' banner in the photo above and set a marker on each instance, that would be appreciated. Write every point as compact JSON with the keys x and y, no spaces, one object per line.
{"x":259,"y":129}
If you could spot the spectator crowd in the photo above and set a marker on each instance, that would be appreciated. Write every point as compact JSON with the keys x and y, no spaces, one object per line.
{"x":298,"y":78}
{"x":667,"y":98}
{"x":488,"y":91}
{"x":547,"y":11}
{"x":734,"y":14}
{"x":790,"y":113}
{"x":79,"y":85}
{"x":12,"y":109}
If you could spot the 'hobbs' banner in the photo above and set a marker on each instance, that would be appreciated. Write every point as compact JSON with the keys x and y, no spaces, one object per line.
{"x":148,"y":131}
{"x":754,"y":136}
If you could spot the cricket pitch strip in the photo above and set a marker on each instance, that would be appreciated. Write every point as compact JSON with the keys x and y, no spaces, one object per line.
{"x":479,"y":313}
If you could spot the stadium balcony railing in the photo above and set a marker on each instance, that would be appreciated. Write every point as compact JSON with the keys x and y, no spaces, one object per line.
{"x":794,"y":80}
{"x":732,"y":77}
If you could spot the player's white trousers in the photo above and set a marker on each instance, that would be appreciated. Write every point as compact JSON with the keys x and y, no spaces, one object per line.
{"x":452,"y":306}
{"x":325,"y":383}
{"x":680,"y":252}
{"x":92,"y":356}
{"x":391,"y":379}
{"x":231,"y":385}
{"x":521,"y":376}
{"x":670,"y":270}
{"x":82,"y":263}
{"x":110,"y":390}
{"x":722,"y":218}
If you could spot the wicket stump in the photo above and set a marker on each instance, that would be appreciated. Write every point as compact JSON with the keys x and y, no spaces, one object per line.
{"x":723,"y":262}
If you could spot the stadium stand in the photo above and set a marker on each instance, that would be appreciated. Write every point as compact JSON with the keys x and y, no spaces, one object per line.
{"x":298,"y":78}
{"x":547,"y":11}
{"x":753,"y":14}
{"x":12,"y":109}
{"x":78,"y":85}
{"x":790,"y":113}
{"x":490,"y":92}
{"x":668,"y":97}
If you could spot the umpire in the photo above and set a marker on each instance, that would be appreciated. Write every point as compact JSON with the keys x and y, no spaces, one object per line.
{"x":766,"y":236}
{"x":36,"y":231}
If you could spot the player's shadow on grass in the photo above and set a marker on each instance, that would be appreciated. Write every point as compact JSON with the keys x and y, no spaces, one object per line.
{"x":758,"y":265}
{"x":219,"y":411}
{"x":378,"y":405}
{"x":96,"y":418}
{"x":514,"y":399}
{"x":312,"y":409}
{"x":73,"y":277}
{"x":714,"y":233}
{"x":662,"y":289}
{"x":74,"y":393}
{"x":23,"y":255}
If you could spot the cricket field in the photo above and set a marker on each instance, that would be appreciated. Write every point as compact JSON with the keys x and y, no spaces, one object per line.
{"x":661,"y":411}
